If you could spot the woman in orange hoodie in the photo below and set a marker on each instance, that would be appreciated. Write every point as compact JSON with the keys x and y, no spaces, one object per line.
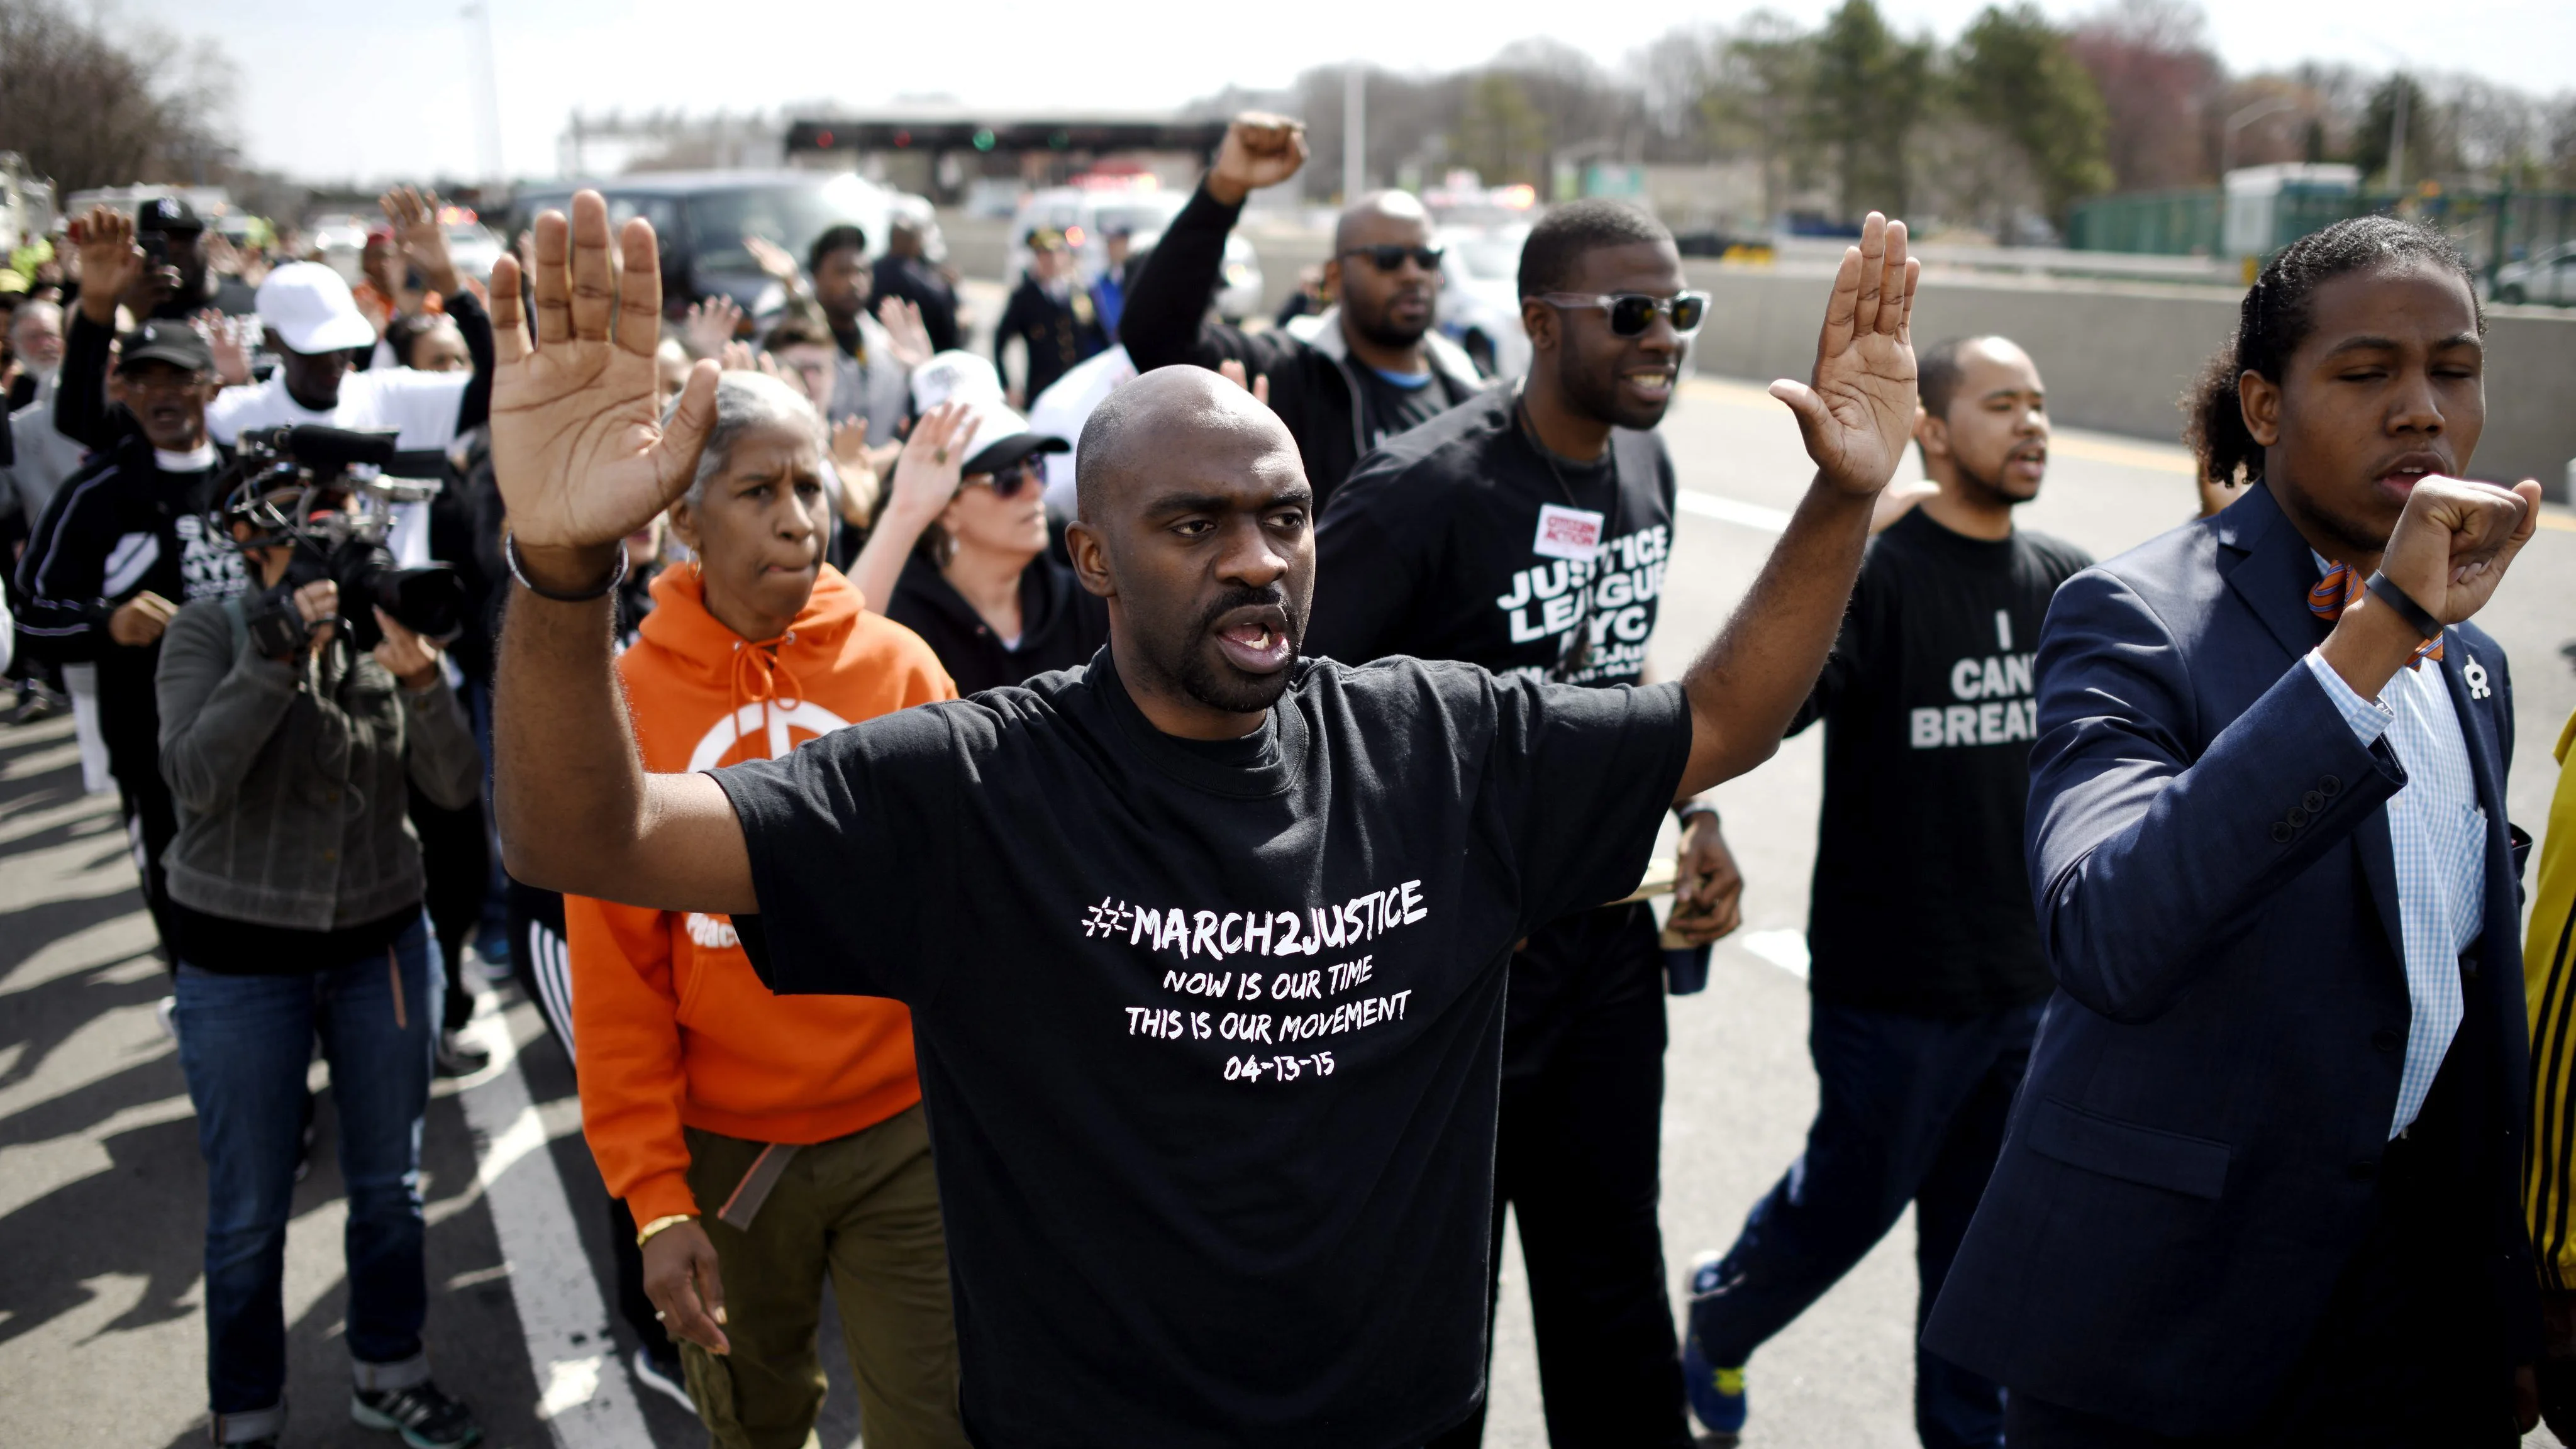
{"x":762,"y":1142}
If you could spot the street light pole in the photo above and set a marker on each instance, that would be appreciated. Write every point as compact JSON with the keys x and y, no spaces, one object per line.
{"x":2397,"y":132}
{"x":1354,"y":132}
{"x":487,"y":89}
{"x":2268,"y":106}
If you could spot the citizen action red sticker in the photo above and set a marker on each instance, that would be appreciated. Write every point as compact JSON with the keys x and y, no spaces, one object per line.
{"x":1572,"y":533}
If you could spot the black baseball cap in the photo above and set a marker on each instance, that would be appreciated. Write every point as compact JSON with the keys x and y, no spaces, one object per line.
{"x":159,"y":340}
{"x":166,"y":214}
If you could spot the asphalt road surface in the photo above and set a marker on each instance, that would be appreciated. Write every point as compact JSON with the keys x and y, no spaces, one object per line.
{"x":101,"y":1188}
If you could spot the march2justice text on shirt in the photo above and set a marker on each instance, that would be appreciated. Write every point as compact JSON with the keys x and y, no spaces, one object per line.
{"x":1309,"y":1005}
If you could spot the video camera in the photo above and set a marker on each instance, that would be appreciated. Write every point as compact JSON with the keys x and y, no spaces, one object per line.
{"x":322,"y":491}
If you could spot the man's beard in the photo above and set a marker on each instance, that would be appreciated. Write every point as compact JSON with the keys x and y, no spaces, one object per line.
{"x":1991,"y":486}
{"x":1207,"y":677}
{"x":1382,"y":333}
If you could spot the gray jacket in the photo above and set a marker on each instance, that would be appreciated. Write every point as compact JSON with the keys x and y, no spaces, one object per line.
{"x":291,"y":777}
{"x":879,"y":389}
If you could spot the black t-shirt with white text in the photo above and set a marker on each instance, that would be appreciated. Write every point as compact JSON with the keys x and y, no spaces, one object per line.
{"x":1458,"y":540}
{"x":1921,"y":901}
{"x":1209,"y":1034}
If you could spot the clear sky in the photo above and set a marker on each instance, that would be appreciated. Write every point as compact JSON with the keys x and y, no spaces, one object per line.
{"x":351,"y":89}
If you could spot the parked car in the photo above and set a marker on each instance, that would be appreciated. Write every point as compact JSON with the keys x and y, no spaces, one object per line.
{"x":1480,"y":296}
{"x":338,"y":240}
{"x":702,"y":218}
{"x":2549,"y":276}
{"x":472,"y":246}
{"x":1086,"y":215}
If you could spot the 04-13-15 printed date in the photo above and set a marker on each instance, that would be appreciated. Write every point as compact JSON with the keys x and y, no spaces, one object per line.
{"x":1277,"y":1069}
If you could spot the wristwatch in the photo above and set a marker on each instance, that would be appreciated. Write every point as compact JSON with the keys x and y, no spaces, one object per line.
{"x":1700,"y":805}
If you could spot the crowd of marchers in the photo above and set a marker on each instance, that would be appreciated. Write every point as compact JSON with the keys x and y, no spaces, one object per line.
{"x":902,"y":782}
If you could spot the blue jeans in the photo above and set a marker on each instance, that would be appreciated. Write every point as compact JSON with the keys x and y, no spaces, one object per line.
{"x":1912,"y":1110}
{"x":245,"y":1042}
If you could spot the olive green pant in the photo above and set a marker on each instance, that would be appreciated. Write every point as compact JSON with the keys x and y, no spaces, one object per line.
{"x":865,"y":1209}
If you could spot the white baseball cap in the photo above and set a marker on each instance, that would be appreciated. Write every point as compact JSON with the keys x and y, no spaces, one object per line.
{"x":310,"y":309}
{"x":954,"y":376}
{"x":1002,"y":437}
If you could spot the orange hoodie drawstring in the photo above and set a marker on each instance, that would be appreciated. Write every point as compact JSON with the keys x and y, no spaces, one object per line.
{"x":762,"y":660}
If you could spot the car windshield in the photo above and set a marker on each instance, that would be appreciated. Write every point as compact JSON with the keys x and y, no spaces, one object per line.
{"x":790,"y":215}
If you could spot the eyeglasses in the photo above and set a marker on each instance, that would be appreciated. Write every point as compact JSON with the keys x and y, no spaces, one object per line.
{"x":1391,"y":258}
{"x":1631,"y":313}
{"x":1007,"y":480}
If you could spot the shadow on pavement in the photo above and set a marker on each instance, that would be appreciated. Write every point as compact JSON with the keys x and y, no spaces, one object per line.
{"x":102,"y":1199}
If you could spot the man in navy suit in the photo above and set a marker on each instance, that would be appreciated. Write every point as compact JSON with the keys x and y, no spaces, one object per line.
{"x":2262,"y":1181}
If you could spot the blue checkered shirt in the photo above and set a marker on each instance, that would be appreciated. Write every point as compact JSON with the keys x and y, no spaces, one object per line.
{"x":2438,"y":833}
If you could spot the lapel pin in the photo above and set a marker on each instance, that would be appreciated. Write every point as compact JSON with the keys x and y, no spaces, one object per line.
{"x":2476,"y":676}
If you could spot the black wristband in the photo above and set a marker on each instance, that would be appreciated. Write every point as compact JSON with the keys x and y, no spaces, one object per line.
{"x":518,"y":570}
{"x":2385,"y":589}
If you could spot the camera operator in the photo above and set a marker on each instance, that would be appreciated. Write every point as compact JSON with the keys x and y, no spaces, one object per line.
{"x":179,"y":285}
{"x":122,"y":544}
{"x":296,"y":888}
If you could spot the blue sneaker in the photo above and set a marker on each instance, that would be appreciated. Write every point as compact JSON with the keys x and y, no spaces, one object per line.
{"x":1716,"y":1390}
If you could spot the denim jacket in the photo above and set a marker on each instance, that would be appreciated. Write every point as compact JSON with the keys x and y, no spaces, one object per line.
{"x":291,"y":776}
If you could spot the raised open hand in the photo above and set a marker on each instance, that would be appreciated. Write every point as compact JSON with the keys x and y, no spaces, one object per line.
{"x":860,"y":484}
{"x":710,"y":324}
{"x":775,"y":261}
{"x":1259,"y":150}
{"x":2454,"y":541}
{"x":1232,"y":371}
{"x":110,"y":262}
{"x":229,"y":339}
{"x":420,"y":237}
{"x":1857,"y":410}
{"x":933,"y":463}
{"x":581,"y":458}
{"x":904,"y":330}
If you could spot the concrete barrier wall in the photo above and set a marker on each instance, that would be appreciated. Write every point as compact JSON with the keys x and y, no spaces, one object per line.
{"x":2118,"y":358}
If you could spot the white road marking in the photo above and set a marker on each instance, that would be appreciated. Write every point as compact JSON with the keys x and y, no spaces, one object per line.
{"x":1784,"y":949}
{"x":1730,"y":510}
{"x":550,"y":1278}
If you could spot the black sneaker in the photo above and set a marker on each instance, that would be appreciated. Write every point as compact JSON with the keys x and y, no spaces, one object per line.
{"x":423,"y":1414}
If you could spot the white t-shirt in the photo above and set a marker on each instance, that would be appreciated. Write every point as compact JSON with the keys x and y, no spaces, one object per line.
{"x":1061,"y":410}
{"x":420,"y":406}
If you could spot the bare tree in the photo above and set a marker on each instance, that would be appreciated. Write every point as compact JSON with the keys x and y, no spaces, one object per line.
{"x":92,"y":109}
{"x":2152,"y":62}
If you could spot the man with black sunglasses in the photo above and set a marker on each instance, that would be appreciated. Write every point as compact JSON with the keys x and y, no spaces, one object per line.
{"x":1374,"y":367}
{"x":1528,"y":532}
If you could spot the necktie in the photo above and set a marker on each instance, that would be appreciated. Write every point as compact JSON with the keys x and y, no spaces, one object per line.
{"x":2343,"y":584}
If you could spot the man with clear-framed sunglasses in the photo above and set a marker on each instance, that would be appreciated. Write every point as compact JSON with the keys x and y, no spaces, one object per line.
{"x":1528,"y":532}
{"x":1372,"y":367}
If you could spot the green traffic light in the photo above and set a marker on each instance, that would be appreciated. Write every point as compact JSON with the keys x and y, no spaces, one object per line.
{"x":984,"y":140}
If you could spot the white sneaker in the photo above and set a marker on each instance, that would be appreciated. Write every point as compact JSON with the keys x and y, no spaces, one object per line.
{"x":665,"y":1379}
{"x":167,"y":1013}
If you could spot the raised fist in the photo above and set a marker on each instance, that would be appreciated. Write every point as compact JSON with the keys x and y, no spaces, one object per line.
{"x":1260,"y":150}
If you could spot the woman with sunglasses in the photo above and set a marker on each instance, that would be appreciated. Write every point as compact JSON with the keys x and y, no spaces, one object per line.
{"x":962,"y":556}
